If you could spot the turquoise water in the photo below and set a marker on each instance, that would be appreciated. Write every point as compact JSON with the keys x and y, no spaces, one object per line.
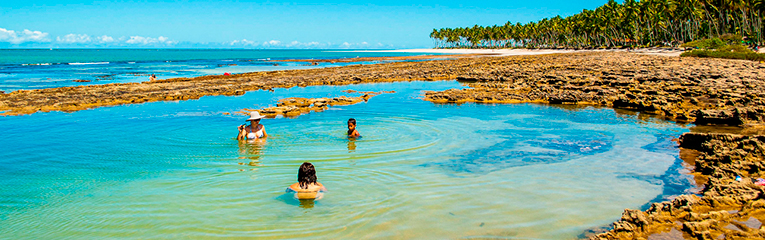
{"x":421,"y":171}
{"x":43,"y":68}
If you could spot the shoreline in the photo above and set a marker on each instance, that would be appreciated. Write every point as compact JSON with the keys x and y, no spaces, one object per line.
{"x":521,"y":52}
{"x":707,"y":92}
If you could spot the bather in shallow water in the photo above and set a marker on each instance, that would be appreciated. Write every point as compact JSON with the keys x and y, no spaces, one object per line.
{"x":254,"y":131}
{"x":307,"y":187}
{"x":352,"y":133}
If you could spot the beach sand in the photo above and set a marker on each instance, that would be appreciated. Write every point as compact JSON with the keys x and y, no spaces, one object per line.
{"x":517,"y":52}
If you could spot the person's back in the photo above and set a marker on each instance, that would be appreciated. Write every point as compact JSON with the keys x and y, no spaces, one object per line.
{"x":307,"y":187}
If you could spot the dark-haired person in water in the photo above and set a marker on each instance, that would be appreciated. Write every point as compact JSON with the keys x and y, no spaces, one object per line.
{"x":352,"y":133}
{"x":307,"y":187}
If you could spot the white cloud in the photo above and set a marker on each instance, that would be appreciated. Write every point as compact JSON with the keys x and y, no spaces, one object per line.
{"x":309,"y":45}
{"x":74,"y":38}
{"x":357,"y":45}
{"x":294,"y":44}
{"x":105,"y":39}
{"x":148,"y":40}
{"x":140,"y":40}
{"x":243,"y":42}
{"x":22,"y":37}
{"x":35,"y":36}
{"x":272,"y":43}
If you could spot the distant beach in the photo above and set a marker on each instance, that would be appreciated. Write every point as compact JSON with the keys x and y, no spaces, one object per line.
{"x":523,"y":51}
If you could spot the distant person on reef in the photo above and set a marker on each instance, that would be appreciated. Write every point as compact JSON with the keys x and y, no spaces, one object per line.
{"x":307,"y":187}
{"x":255,"y":130}
{"x":153,"y":77}
{"x":352,"y":133}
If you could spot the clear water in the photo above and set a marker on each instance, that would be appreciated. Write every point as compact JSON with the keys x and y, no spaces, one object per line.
{"x":421,"y":170}
{"x":43,"y":68}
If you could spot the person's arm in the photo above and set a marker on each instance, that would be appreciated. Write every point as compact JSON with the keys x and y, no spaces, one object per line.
{"x":242,"y":133}
{"x":323,"y":189}
{"x":355,"y":133}
{"x":264,"y":132}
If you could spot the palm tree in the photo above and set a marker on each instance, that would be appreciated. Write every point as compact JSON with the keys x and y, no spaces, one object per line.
{"x":630,"y":23}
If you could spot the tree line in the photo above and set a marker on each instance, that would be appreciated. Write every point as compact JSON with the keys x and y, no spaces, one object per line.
{"x":631,"y":23}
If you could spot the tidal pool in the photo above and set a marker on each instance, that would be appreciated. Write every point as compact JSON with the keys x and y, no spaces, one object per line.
{"x":421,"y":170}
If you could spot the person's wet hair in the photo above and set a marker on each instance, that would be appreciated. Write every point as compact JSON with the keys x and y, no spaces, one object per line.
{"x":352,"y":121}
{"x":306,"y":175}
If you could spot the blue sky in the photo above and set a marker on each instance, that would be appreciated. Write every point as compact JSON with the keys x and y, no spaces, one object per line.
{"x":256,"y":24}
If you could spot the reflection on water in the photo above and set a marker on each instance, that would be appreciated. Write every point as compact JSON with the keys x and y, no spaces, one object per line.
{"x":290,"y":199}
{"x":483,"y":171}
{"x":251,"y":150}
{"x":306,"y":203}
{"x":351,"y":145}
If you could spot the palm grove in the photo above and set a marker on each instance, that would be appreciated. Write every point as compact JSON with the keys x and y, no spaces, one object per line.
{"x":632,"y":23}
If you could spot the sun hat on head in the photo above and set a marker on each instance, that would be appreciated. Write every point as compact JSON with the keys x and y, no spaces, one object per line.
{"x":255,"y":116}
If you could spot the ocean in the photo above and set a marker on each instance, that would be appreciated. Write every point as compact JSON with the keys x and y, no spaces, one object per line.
{"x":51,"y":68}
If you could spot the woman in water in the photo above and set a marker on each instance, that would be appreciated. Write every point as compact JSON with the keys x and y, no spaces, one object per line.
{"x":255,"y":130}
{"x":307,"y":187}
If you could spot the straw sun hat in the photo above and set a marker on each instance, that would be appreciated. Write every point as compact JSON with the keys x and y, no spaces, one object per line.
{"x":255,"y":116}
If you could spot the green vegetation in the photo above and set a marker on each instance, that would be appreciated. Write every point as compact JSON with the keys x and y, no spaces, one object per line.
{"x":629,"y":24}
{"x":728,"y":46}
{"x":712,"y":43}
{"x":725,"y":54}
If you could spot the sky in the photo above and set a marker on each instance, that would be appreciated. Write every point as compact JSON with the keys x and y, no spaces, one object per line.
{"x":301,"y":24}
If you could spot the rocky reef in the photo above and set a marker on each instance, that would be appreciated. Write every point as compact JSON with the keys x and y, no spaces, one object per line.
{"x":295,"y":106}
{"x":714,"y":94}
{"x":731,"y":205}
{"x":70,"y":99}
{"x":704,"y":91}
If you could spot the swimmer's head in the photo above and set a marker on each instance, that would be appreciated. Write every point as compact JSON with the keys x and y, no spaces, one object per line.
{"x":306,"y":175}
{"x":351,"y":123}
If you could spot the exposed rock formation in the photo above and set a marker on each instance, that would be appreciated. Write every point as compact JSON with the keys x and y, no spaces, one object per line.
{"x":674,"y":87}
{"x":727,"y":208}
{"x":294,"y":106}
{"x":70,"y":99}
{"x":707,"y":91}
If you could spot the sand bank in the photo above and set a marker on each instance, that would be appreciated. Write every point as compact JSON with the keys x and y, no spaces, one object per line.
{"x":517,"y":52}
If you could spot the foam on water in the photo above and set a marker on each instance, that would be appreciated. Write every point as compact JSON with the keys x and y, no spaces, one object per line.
{"x":421,"y":170}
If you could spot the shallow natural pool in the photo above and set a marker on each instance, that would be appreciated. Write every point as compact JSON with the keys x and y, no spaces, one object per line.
{"x":421,"y":171}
